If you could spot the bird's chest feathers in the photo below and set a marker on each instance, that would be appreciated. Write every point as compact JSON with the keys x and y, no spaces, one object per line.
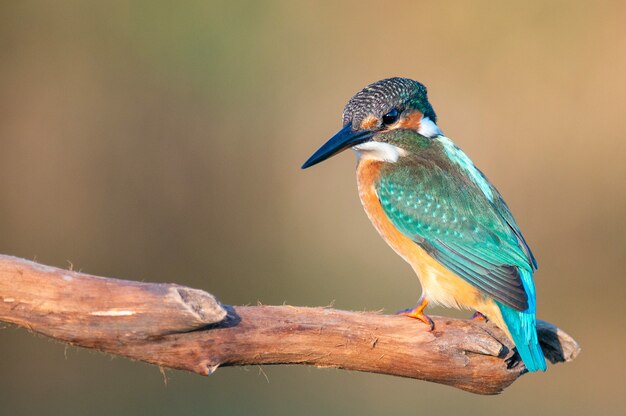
{"x":368,"y":174}
{"x":439,"y":284}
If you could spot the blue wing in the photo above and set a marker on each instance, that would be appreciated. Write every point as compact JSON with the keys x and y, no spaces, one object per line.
{"x":459,"y":227}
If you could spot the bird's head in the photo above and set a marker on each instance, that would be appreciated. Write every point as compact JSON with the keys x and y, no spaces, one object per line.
{"x":381,"y":107}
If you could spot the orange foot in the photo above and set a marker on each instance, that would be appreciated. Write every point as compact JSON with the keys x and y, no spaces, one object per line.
{"x":418,"y":313}
{"x":479,"y":317}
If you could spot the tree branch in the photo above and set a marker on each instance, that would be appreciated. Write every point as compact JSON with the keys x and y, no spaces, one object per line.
{"x":188,"y":329}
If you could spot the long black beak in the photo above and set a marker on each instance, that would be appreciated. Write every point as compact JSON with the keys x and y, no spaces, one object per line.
{"x":341,"y":141}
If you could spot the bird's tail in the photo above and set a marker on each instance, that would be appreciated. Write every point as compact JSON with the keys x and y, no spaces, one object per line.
{"x":522,"y":327}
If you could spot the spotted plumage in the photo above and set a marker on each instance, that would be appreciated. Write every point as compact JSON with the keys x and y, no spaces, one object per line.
{"x":438,"y":211}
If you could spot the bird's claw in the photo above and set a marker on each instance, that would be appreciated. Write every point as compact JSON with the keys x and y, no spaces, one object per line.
{"x":477,"y":316}
{"x":418,"y":313}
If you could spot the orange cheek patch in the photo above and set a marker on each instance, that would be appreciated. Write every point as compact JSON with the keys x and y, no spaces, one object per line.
{"x":410,"y":121}
{"x":369,"y":122}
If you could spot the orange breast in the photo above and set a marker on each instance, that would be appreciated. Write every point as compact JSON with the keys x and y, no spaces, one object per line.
{"x":439,"y":284}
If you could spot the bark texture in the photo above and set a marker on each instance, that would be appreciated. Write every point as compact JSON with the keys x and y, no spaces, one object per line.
{"x":178,"y":327}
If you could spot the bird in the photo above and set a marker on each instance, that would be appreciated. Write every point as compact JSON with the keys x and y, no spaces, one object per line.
{"x":438,"y":211}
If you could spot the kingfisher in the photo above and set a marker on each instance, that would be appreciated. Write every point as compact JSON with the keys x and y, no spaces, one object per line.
{"x":438,"y":211}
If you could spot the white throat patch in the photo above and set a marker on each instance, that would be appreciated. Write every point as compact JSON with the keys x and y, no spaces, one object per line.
{"x":384,"y":152}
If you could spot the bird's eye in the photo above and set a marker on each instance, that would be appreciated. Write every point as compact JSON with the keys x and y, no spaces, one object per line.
{"x":391,"y":117}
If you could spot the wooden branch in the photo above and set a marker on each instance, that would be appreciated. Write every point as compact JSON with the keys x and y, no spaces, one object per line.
{"x":188,"y":329}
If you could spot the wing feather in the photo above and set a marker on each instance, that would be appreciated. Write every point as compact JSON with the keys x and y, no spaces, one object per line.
{"x":459,"y":227}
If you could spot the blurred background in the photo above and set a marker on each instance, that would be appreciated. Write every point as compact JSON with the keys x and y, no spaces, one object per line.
{"x":151,"y":141}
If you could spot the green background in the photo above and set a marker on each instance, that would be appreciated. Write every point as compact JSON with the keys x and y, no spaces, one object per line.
{"x":161,"y":141}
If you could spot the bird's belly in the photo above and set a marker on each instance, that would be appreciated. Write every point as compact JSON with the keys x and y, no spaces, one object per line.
{"x":440,"y":285}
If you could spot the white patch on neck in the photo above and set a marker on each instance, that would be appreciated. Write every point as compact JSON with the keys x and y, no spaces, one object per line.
{"x":428,"y":128}
{"x":384,"y":152}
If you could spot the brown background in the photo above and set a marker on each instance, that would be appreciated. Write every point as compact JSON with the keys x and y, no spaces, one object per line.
{"x":156,"y":142}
